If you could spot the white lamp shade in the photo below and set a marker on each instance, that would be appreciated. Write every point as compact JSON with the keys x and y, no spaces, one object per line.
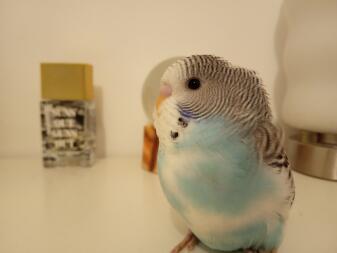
{"x":310,"y":60}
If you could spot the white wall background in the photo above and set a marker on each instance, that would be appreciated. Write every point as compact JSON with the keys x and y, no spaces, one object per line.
{"x":124,"y":40}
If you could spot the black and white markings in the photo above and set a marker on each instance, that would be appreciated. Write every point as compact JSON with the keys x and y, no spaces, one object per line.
{"x":174,"y":135}
{"x":183,"y":123}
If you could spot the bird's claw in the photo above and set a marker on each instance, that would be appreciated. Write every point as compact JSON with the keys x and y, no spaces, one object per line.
{"x":188,"y":242}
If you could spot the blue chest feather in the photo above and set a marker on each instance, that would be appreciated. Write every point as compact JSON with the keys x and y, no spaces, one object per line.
{"x":213,"y":171}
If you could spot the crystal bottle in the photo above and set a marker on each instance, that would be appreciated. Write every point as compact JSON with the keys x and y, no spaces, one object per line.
{"x":67,"y":115}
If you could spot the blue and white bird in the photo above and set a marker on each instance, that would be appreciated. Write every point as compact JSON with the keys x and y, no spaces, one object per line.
{"x":221,"y":162}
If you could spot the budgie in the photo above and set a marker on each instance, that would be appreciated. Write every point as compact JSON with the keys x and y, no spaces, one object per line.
{"x":221,"y":161}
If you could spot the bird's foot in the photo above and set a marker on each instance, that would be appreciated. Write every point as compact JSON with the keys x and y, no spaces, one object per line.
{"x":188,"y":242}
{"x":260,"y":251}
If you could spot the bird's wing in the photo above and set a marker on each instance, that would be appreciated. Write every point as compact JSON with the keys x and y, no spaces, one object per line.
{"x":269,"y":144}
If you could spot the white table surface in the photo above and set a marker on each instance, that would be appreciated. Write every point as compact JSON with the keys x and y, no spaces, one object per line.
{"x":118,"y":207}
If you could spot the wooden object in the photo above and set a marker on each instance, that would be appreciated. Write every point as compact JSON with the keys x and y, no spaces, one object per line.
{"x":150,"y":148}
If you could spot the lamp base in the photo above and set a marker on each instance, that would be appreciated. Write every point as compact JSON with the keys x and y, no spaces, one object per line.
{"x":313,"y":154}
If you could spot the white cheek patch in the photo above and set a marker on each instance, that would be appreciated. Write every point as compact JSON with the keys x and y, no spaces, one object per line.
{"x":166,"y":122}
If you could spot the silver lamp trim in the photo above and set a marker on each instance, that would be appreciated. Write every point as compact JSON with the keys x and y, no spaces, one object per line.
{"x":313,"y":154}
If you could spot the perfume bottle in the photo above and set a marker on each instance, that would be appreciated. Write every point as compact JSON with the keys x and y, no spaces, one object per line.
{"x":67,"y":115}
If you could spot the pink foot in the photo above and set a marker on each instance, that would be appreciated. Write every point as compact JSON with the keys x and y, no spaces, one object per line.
{"x":260,"y":251}
{"x":188,"y":242}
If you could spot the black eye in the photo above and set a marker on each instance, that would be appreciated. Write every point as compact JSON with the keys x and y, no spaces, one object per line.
{"x":193,"y":83}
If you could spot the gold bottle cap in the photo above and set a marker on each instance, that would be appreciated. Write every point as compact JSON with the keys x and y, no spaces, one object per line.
{"x":64,"y":81}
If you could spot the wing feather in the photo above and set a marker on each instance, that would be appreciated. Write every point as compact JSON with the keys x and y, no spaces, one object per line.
{"x":269,"y":145}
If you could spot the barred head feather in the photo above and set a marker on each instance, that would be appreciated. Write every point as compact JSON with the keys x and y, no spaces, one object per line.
{"x":225,"y":90}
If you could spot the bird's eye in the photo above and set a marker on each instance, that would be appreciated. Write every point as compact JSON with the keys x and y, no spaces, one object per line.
{"x":193,"y":83}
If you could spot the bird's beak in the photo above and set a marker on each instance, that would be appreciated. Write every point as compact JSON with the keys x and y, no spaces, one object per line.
{"x":164,"y":92}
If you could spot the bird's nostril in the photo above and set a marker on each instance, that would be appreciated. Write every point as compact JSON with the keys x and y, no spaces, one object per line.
{"x":165,"y":90}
